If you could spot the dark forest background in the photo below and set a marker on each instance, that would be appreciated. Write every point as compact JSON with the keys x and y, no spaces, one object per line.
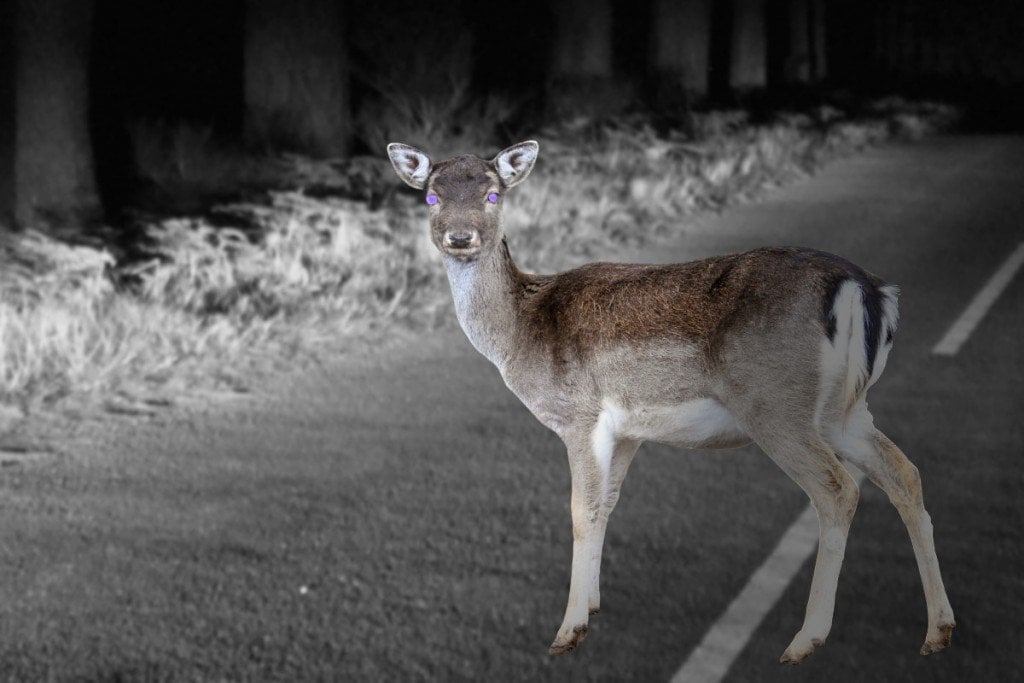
{"x":89,"y":88}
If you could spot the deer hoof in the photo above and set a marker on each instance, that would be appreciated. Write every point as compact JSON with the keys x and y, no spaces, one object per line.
{"x":800,"y":649}
{"x":568,"y":643}
{"x":938,"y":642}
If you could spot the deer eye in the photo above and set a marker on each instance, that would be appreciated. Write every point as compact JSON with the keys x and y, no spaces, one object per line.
{"x":493,"y":198}
{"x":432,"y":199}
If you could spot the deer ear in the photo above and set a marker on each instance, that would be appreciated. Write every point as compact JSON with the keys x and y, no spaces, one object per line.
{"x":411,"y":165}
{"x":516,"y":162}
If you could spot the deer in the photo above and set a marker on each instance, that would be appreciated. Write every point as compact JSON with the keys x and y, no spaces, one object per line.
{"x":776,"y":346}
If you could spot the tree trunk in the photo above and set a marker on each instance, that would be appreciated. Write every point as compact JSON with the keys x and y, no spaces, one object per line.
{"x":296,"y":76}
{"x":798,"y":61}
{"x":817,"y":40}
{"x":748,"y":68}
{"x":681,"y":50}
{"x":805,"y":59}
{"x":7,"y":121}
{"x":51,"y":154}
{"x":583,"y":47}
{"x":582,"y":84}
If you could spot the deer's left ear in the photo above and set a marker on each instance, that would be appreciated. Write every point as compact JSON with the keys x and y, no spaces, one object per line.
{"x":411,"y":165}
{"x":516,"y":162}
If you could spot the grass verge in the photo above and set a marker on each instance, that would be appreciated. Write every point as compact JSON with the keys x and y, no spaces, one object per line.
{"x":301,"y":272}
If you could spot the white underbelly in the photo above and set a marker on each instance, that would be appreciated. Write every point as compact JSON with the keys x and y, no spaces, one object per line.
{"x":701,"y":423}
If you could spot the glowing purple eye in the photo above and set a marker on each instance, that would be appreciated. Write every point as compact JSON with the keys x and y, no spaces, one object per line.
{"x":431,"y":199}
{"x":493,"y":198}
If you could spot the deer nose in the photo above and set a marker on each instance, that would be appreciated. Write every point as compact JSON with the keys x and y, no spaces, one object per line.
{"x":459,"y":240}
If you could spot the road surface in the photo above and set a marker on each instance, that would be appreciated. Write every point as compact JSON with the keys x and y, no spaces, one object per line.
{"x":395,"y":514}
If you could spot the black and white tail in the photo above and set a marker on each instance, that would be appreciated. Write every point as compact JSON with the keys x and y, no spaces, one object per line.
{"x":862,"y":321}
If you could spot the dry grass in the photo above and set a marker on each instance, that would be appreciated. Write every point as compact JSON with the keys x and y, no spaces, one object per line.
{"x":307,"y":271}
{"x":330,"y":259}
{"x":65,"y":328}
{"x":204,"y":303}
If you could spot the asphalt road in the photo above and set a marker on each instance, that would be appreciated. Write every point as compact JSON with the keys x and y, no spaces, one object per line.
{"x":423,"y":513}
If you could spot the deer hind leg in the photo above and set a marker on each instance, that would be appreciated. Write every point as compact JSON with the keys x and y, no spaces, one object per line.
{"x":598,"y":463}
{"x":812,"y":464}
{"x":891,"y":470}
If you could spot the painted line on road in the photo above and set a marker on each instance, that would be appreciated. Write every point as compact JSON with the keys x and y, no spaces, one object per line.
{"x":961,"y":330}
{"x":711,"y":659}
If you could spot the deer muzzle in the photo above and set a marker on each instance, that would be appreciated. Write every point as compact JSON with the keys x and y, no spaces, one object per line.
{"x":462,"y":239}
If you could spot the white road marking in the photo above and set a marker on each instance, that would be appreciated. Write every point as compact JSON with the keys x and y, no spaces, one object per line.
{"x":711,"y":659}
{"x":961,"y":330}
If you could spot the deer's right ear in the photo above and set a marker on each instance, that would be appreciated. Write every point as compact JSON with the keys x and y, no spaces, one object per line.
{"x":515,"y":163}
{"x":411,"y":165}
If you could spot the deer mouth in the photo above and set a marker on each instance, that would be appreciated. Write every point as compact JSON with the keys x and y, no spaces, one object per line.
{"x":461,"y":244}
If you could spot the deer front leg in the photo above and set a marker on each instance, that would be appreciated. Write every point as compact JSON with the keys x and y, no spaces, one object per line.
{"x":622,"y":456}
{"x":586,"y":556}
{"x":590,"y":462}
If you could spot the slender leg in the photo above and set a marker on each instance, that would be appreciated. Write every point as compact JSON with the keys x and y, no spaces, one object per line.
{"x":598,"y":464}
{"x":834,"y":493}
{"x":622,"y":456}
{"x":589,"y":482}
{"x":891,"y":471}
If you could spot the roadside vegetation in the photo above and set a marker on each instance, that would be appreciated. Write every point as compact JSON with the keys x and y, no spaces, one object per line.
{"x":336,"y":249}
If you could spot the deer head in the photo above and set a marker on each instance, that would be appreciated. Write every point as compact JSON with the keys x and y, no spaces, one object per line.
{"x":465,"y":194}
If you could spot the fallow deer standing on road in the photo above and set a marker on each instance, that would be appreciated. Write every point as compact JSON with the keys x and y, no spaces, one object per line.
{"x":777,"y":345}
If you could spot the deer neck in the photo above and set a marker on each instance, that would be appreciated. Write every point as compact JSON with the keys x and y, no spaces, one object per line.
{"x":487,"y":293}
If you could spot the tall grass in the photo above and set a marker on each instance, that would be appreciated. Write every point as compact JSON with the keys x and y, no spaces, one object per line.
{"x":302,"y":272}
{"x":65,"y":328}
{"x":320,"y":260}
{"x":205,"y":302}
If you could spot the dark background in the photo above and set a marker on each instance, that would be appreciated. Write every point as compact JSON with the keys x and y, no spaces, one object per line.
{"x":86,"y":84}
